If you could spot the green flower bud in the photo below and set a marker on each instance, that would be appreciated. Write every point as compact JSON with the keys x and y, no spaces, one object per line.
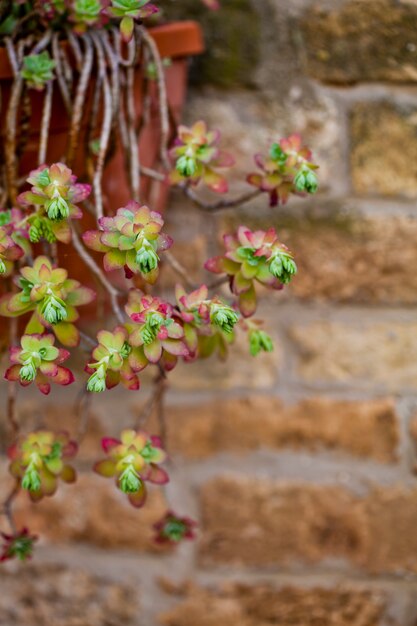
{"x":28,"y":371}
{"x":259,"y":340}
{"x":147,"y":259}
{"x":34,"y":233}
{"x":186,"y":165}
{"x":152,"y":326}
{"x":31,"y":479}
{"x":97,"y":381}
{"x":2,"y":266}
{"x":283,"y":267}
{"x":224,"y":317}
{"x":126,"y":350}
{"x":306,"y":180}
{"x":54,"y":310}
{"x":57,"y":209}
{"x":129,"y":480}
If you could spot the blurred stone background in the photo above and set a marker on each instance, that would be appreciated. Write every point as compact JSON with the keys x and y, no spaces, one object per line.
{"x":300,"y":466}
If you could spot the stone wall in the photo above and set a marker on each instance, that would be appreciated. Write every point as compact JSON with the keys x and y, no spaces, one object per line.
{"x":301,"y":465}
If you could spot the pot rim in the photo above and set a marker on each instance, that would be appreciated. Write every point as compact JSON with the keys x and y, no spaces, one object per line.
{"x":174,"y":40}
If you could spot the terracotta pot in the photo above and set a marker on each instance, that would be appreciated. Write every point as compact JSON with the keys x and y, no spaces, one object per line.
{"x":176,"y":41}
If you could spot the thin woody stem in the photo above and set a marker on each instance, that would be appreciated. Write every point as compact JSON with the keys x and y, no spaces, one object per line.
{"x":80,"y":97}
{"x":8,"y":506}
{"x":46,"y":119}
{"x":163,"y":99}
{"x":178,"y":268}
{"x":89,"y":261}
{"x":105,"y":129}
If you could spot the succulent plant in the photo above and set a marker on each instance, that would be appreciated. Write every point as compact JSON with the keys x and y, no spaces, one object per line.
{"x":52,"y":297}
{"x":131,"y":239}
{"x":39,"y":361}
{"x":18,"y":545}
{"x":132,"y":460}
{"x":112,"y":362}
{"x":38,"y":70}
{"x":197,"y":158}
{"x":154,"y":334}
{"x":10,"y":251}
{"x":286,"y":170}
{"x":172,"y":529}
{"x":39,"y":460}
{"x":130,"y":10}
{"x":253,"y":257}
{"x":55,"y":195}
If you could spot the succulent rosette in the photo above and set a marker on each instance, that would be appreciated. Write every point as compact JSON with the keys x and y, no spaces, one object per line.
{"x":86,"y":14}
{"x":172,"y":529}
{"x":111,"y":364}
{"x":39,"y":460}
{"x":19,"y":545}
{"x":38,"y":70}
{"x":286,"y":170}
{"x":208,"y":322}
{"x":197,"y":158}
{"x":55,"y":195}
{"x":133,"y":460}
{"x":39,"y":361}
{"x":154,"y":334}
{"x":52,"y":297}
{"x":132,"y":240}
{"x":129,"y":11}
{"x":253,"y":257}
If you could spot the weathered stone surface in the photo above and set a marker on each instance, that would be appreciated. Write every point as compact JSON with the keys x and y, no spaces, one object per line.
{"x":384,"y":150}
{"x":283,"y":523}
{"x":364,"y":429}
{"x":93,"y":511}
{"x":229,"y":59}
{"x":213,"y":374}
{"x":51,"y":595}
{"x":342,"y":255}
{"x":262,"y":604}
{"x":366,"y":354}
{"x":373,"y":40}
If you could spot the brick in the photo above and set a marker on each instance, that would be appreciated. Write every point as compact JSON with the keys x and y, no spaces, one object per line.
{"x":49,"y":595}
{"x":240,"y":370}
{"x":80,"y":513}
{"x":361,"y":41}
{"x":384,"y":150}
{"x":282,"y":524}
{"x":365,"y":354}
{"x":363,"y":429}
{"x":262,"y":604}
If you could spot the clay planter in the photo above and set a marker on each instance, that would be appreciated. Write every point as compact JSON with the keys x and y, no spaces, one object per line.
{"x":176,"y":41}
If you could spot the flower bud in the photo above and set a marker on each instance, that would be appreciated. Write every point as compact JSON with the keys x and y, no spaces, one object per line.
{"x":126,"y":350}
{"x":283,"y":267}
{"x":151,"y":329}
{"x":57,"y":208}
{"x":306,"y":180}
{"x":277,"y":154}
{"x":28,"y":371}
{"x":259,"y":340}
{"x":54,"y":310}
{"x":129,"y":480}
{"x":147,"y":259}
{"x":2,"y":266}
{"x":224,"y":317}
{"x":97,"y":381}
{"x":186,"y":166}
{"x":31,"y":479}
